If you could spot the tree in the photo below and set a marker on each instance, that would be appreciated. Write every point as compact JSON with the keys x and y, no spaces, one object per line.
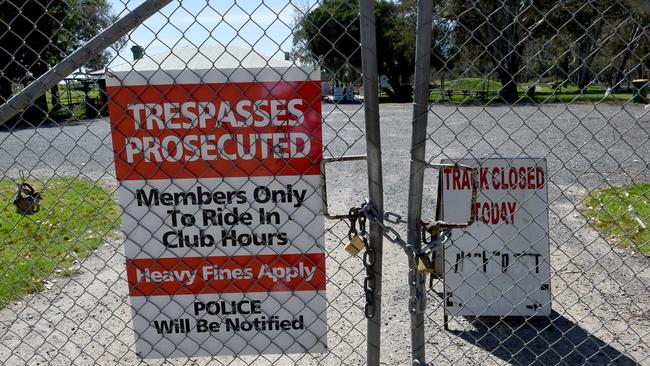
{"x":592,"y":26}
{"x":329,"y":34}
{"x":37,"y":34}
{"x":498,"y":30}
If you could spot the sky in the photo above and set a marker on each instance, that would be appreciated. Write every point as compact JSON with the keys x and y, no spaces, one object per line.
{"x":264,"y":25}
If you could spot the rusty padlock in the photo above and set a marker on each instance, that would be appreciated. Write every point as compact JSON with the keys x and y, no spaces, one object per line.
{"x":27,"y":200}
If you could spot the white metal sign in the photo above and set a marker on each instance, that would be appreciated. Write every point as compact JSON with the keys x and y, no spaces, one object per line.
{"x":220,"y":187}
{"x":500,"y":266}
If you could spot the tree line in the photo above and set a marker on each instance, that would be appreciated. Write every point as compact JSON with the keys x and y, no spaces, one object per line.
{"x":570,"y":41}
{"x":514,"y":41}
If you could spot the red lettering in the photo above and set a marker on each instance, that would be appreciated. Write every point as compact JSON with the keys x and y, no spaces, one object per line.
{"x":483,"y":179}
{"x":456,"y":178}
{"x":522,"y":177}
{"x":513,"y":178}
{"x":540,"y":177}
{"x":512,"y":207}
{"x":493,"y":213}
{"x":485,"y":215}
{"x":495,"y":172}
{"x":503,"y":213}
{"x":531,"y":178}
{"x":466,"y":180}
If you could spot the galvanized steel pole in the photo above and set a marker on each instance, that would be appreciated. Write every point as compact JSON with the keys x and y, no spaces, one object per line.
{"x":79,"y":57}
{"x":375,"y":181}
{"x":417,"y":280}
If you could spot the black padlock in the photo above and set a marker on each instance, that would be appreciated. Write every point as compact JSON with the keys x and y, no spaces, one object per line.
{"x":27,"y":201}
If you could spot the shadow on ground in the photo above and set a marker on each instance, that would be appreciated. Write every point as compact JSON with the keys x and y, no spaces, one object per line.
{"x":553,"y":340}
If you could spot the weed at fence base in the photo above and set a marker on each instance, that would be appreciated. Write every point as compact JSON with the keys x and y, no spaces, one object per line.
{"x":621,"y":214}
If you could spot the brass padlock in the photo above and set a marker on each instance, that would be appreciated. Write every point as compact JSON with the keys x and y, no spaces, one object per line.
{"x":354,"y":246}
{"x":424,"y":264}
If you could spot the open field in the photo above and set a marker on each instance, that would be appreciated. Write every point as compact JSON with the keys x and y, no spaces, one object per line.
{"x":600,"y":292}
{"x":544,"y":93}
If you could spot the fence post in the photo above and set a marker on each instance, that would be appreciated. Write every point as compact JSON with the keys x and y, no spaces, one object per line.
{"x":417,"y":280}
{"x":373,"y":148}
{"x":79,"y":57}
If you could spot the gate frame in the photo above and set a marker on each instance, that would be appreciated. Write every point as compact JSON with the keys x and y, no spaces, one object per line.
{"x":375,"y":174}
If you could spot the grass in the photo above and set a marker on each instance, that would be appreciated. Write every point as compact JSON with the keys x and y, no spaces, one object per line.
{"x":544,"y":93}
{"x":69,"y":96}
{"x":72,"y":102}
{"x":76,"y":216}
{"x":583,"y":98}
{"x":473,"y":84}
{"x":614,"y":211}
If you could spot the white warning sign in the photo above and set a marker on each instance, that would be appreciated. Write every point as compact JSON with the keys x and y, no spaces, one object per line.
{"x":500,"y":265}
{"x":220,"y":186}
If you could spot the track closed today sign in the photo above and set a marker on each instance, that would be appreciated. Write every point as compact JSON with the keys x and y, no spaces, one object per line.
{"x":220,"y":186}
{"x":500,"y":265}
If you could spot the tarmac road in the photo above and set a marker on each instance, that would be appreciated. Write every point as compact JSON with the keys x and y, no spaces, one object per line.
{"x":601,"y":298}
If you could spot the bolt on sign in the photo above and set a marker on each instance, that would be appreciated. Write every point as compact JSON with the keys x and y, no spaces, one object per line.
{"x":219,"y":181}
{"x":500,"y":265}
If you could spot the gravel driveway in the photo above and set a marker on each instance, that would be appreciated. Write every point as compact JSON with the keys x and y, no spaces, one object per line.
{"x":601,"y":294}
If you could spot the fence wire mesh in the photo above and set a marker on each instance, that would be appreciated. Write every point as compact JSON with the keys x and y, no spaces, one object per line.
{"x":561,"y":81}
{"x":574,"y":71}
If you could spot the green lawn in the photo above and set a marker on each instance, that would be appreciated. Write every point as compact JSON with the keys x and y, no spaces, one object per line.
{"x":71,"y":96}
{"x":473,"y":84}
{"x":71,"y":102}
{"x":76,"y":216}
{"x":615,"y":212}
{"x":544,"y":93}
{"x":584,"y":98}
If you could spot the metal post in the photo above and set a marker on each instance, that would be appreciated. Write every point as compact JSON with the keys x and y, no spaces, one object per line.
{"x":79,"y":57}
{"x":417,"y":280}
{"x":375,"y":182}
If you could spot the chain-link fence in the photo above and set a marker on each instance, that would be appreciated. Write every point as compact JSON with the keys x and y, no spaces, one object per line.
{"x":575,"y":71}
{"x":188,"y":226}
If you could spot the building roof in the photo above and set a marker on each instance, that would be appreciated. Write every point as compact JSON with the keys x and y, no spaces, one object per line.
{"x":208,"y":63}
{"x":204,"y":57}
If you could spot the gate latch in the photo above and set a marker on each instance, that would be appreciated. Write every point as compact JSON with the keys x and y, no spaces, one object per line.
{"x":328,"y":160}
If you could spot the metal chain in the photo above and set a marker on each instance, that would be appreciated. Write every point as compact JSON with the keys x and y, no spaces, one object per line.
{"x":358,"y":219}
{"x":372,"y":213}
{"x":438,"y":232}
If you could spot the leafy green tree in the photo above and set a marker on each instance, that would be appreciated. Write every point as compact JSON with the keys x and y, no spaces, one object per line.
{"x":593,"y":40}
{"x":632,"y":47}
{"x":329,"y":34}
{"x":37,"y":34}
{"x":591,"y":27}
{"x":498,"y":31}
